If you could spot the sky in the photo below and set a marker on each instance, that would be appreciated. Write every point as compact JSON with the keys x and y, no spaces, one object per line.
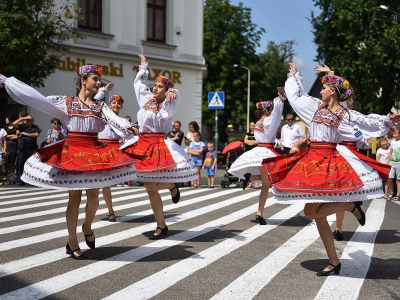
{"x":286,"y":20}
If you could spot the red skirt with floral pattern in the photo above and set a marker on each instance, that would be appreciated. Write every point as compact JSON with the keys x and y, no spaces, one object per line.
{"x":319,"y":170}
{"x":83,"y":152}
{"x":153,"y":147}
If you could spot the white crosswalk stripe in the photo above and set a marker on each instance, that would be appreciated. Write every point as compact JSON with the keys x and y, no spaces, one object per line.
{"x":213,"y":223}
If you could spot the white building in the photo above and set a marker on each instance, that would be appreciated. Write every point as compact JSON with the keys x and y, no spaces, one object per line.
{"x":168,"y":32}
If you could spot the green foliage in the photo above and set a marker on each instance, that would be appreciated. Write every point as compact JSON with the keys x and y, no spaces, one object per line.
{"x":359,"y":41}
{"x":231,"y":38}
{"x":31,"y":36}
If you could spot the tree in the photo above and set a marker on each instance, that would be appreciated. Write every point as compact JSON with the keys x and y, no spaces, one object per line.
{"x":229,"y":38}
{"x":359,"y":40}
{"x":32,"y":33}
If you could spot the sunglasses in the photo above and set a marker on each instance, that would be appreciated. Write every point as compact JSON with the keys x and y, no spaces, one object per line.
{"x":289,"y":119}
{"x":56,"y":122}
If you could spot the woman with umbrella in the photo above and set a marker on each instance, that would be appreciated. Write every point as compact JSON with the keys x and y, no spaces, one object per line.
{"x":249,"y":165}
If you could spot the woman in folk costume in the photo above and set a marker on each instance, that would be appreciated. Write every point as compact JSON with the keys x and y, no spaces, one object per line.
{"x":109,"y":136}
{"x":80,"y":162}
{"x":249,"y":165}
{"x":325,"y":179}
{"x":166,"y":162}
{"x":354,"y":143}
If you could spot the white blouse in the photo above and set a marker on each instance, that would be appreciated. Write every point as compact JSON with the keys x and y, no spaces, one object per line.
{"x":74,"y":115}
{"x":327,"y":127}
{"x":265,"y":128}
{"x":153,"y":117}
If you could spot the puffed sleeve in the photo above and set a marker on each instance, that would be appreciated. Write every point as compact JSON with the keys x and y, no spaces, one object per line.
{"x":26,"y":95}
{"x":142,"y":91}
{"x":272,"y":123}
{"x":119,"y":125}
{"x":371,"y":125}
{"x":100,"y":94}
{"x":303,"y":105}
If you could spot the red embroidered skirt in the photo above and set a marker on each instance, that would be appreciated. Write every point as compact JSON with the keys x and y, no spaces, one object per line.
{"x":319,"y":170}
{"x":82,"y":152}
{"x":153,"y":147}
{"x":382,"y":169}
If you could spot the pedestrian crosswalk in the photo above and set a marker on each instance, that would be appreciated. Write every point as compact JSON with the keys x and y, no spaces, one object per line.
{"x":214,"y":249}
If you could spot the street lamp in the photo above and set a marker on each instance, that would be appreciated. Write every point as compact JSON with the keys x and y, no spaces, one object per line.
{"x":248,"y":93}
{"x":389,"y":10}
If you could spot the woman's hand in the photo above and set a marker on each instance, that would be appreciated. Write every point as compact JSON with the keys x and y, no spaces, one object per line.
{"x":292,"y":67}
{"x":323,"y":68}
{"x":170,"y":96}
{"x":142,"y":59}
{"x":109,"y":86}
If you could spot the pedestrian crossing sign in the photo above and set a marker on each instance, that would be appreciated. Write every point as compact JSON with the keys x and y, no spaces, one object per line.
{"x":216,"y":100}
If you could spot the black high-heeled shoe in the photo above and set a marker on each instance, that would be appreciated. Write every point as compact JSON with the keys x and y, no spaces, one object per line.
{"x":91,"y":244}
{"x":261,"y":220}
{"x":177,"y":197}
{"x":72,"y":254}
{"x":338,"y":235}
{"x":164,"y":232}
{"x":336,"y":270}
{"x":357,"y":205}
{"x":246,"y":180}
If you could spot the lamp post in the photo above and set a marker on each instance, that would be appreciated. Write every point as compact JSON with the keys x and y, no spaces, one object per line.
{"x":248,"y":93}
{"x":389,"y":10}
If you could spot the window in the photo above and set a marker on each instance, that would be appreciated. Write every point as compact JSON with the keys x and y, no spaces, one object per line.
{"x":156,"y":20}
{"x":92,"y":14}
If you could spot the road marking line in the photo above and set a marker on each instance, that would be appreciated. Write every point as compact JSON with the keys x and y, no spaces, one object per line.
{"x":58,"y":254}
{"x":356,"y":257}
{"x":145,"y":288}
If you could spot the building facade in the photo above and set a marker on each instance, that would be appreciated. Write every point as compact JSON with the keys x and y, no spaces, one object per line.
{"x":168,"y":32}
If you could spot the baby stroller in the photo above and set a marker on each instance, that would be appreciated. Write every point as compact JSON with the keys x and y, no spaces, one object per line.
{"x":234,"y":150}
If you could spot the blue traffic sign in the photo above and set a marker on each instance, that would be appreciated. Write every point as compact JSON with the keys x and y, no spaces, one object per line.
{"x":216,"y":100}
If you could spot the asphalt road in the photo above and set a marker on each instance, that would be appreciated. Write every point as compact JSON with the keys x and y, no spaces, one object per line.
{"x":214,"y":249}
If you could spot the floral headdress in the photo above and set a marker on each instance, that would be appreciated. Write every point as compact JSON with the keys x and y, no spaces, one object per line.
{"x":265,"y":104}
{"x":87,"y":69}
{"x":350,"y":92}
{"x":335,"y":81}
{"x":165,"y":81}
{"x":116,"y":98}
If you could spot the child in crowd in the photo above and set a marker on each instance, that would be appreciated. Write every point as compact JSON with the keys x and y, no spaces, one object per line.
{"x":196,"y":149}
{"x":394,"y":161}
{"x":210,"y":164}
{"x":382,"y":155}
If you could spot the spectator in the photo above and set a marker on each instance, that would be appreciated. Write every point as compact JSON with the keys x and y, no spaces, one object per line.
{"x":290,"y":133}
{"x":193,"y":127}
{"x":382,"y":155}
{"x":394,"y":161}
{"x":196,"y":149}
{"x":209,"y":164}
{"x":176,"y":134}
{"x":55,"y":134}
{"x":12,"y":144}
{"x":3,"y":150}
{"x":129,"y":119}
{"x":250,"y":143}
{"x":27,"y":143}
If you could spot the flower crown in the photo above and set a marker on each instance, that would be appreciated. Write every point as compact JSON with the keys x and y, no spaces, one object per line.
{"x":266,"y":104}
{"x":165,"y":81}
{"x":335,"y":80}
{"x":87,"y":69}
{"x":116,"y":98}
{"x":349,"y":92}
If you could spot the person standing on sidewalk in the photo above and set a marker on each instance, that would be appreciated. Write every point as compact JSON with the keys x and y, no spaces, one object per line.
{"x":210,"y":164}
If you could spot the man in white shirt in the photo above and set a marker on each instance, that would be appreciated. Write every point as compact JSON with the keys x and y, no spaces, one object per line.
{"x":290,"y":133}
